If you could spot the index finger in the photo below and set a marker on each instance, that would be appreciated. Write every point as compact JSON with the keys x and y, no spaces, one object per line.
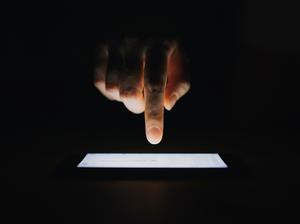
{"x":155,"y":77}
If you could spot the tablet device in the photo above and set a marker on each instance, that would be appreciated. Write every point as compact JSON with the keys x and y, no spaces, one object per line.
{"x":145,"y":165}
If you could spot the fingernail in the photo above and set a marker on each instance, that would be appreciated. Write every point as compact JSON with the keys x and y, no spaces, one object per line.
{"x":173,"y":100}
{"x":154,"y":135}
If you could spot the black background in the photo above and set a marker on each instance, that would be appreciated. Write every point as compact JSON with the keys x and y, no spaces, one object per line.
{"x":244,"y":100}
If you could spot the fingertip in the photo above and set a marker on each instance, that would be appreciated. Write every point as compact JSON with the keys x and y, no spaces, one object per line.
{"x":101,"y":87}
{"x":134,"y":104}
{"x":169,"y":104}
{"x":154,"y":135}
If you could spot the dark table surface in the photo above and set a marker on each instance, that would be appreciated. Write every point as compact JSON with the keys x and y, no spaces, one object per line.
{"x":33,"y":194}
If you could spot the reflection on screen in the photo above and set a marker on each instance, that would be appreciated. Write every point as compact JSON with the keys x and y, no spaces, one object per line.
{"x":152,"y":160}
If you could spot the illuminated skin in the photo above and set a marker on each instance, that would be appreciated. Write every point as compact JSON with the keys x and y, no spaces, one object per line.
{"x":145,"y":77}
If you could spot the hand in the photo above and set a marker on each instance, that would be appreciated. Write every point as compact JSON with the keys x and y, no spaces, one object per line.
{"x":146,"y":77}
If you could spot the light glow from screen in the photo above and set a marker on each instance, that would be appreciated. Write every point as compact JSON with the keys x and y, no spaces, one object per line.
{"x":152,"y":160}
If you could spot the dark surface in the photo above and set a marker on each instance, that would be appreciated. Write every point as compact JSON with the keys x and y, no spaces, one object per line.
{"x":270,"y":192}
{"x":244,"y":101}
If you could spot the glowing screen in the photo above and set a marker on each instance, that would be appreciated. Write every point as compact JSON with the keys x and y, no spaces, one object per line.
{"x":152,"y":160}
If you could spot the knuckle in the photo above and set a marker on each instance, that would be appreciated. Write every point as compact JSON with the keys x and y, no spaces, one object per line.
{"x":98,"y":83}
{"x":186,"y":85}
{"x":100,"y":86}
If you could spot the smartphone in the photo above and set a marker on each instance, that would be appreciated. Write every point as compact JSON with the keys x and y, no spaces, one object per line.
{"x":143,"y":165}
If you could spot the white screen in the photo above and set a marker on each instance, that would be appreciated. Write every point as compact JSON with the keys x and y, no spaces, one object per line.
{"x":152,"y":160}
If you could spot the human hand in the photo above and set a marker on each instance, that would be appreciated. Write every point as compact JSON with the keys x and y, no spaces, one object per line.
{"x":146,"y":77}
